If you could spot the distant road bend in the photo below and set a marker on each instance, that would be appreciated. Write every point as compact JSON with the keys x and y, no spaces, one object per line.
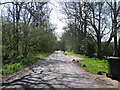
{"x":56,"y":71}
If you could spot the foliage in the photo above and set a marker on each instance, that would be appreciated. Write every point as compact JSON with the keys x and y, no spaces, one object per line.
{"x":88,"y":47}
{"x":93,"y":65}
{"x":36,"y":41}
{"x":26,"y":42}
{"x":26,"y":32}
{"x":60,"y":45}
{"x":109,"y":49}
{"x":70,"y":41}
{"x":98,"y":20}
{"x":10,"y":68}
{"x":74,"y":54}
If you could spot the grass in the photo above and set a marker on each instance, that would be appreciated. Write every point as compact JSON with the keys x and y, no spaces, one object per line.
{"x":9,"y":69}
{"x":74,"y":54}
{"x":93,"y":65}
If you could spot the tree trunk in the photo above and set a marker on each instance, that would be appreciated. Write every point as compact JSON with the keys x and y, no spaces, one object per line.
{"x":115,"y":30}
{"x":25,"y":51}
{"x":115,"y":36}
{"x":99,"y":55}
{"x":119,"y":48}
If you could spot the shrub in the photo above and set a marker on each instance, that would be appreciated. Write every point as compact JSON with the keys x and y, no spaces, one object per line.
{"x":88,"y":47}
{"x":10,"y":68}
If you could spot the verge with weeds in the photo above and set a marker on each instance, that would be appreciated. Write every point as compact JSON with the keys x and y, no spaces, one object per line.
{"x":94,"y":65}
{"x":9,"y":69}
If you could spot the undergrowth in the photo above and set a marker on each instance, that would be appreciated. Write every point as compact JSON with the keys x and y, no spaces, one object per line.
{"x":93,"y":65}
{"x":8,"y":69}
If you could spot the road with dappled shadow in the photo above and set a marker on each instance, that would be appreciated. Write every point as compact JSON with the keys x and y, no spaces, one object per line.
{"x":55,"y":71}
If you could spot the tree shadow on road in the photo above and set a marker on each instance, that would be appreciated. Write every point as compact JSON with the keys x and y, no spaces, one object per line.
{"x":56,"y":77}
{"x":28,"y":81}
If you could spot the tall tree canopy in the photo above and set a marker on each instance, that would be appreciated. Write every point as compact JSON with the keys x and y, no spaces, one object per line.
{"x":26,"y":30}
{"x":96,"y":21}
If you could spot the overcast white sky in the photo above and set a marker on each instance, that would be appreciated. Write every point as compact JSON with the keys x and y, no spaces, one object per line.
{"x":56,"y":17}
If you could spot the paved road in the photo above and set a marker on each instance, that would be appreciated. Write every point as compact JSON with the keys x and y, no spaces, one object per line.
{"x":56,"y":71}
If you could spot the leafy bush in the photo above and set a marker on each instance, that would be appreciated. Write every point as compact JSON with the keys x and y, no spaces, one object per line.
{"x":109,"y":50}
{"x":31,"y":41}
{"x":88,"y":47}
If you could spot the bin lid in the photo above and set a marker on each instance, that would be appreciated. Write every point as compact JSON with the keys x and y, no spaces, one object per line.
{"x":113,"y":58}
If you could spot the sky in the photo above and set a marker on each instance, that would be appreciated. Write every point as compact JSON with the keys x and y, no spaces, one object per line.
{"x":57,"y":18}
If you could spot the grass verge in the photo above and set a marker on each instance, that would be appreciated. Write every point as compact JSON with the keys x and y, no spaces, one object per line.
{"x":94,"y":65}
{"x":9,"y":69}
